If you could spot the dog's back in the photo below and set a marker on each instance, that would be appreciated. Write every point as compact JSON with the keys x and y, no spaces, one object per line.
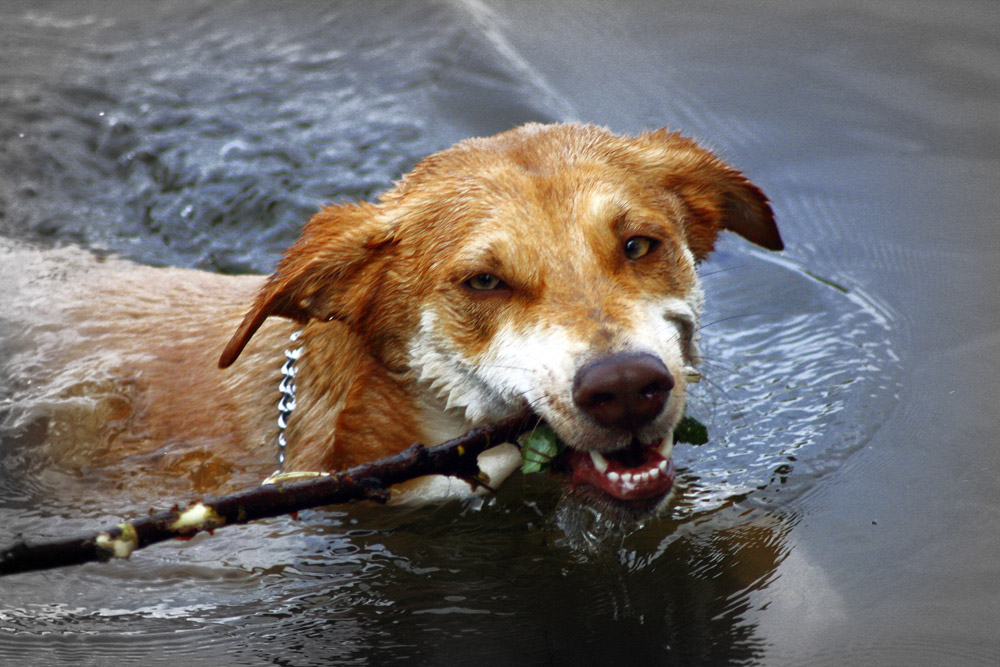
{"x":117,"y":363}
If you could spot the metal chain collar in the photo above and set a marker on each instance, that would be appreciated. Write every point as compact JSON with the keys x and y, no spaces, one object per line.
{"x":287,"y":402}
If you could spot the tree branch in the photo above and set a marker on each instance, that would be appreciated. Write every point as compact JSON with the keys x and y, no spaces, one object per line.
{"x":369,"y":481}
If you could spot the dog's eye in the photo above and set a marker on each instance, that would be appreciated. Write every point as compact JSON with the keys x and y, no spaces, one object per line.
{"x":637,"y":246}
{"x":485,"y":282}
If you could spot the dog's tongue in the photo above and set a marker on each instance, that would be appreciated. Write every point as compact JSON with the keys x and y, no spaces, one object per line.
{"x":646,"y":474}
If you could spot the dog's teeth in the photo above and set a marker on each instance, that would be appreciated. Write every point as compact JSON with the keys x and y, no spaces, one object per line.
{"x":599,"y":461}
{"x":663,"y":466}
{"x":627,"y":478}
{"x":645,"y":477}
{"x":613,"y":477}
{"x":654,"y":473}
{"x":667,"y":446}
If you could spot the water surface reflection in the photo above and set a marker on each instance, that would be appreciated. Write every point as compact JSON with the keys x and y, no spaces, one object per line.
{"x":843,"y":510}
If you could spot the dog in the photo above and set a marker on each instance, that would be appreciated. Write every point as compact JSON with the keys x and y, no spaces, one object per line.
{"x":550,"y":266}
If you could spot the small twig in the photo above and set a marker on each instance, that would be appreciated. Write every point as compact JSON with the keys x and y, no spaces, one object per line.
{"x":369,"y":481}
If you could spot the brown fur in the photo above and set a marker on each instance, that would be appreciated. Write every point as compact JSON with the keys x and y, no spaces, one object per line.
{"x":545,"y":207}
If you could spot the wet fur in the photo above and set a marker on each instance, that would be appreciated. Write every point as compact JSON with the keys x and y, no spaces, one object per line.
{"x":397,"y":347}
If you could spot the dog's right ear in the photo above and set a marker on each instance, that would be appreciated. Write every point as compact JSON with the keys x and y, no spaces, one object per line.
{"x":717,"y":196}
{"x":318,"y":273}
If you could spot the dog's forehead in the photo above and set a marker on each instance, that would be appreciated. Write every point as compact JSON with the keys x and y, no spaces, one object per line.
{"x":523,"y":195}
{"x":581,"y":204}
{"x":547,"y":196}
{"x":544,"y":162}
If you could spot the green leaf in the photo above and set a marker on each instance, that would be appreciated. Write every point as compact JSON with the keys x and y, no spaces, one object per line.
{"x":690,"y":430}
{"x":538,"y":449}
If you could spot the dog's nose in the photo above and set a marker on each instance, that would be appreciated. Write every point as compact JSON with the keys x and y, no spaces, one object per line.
{"x":623,"y":391}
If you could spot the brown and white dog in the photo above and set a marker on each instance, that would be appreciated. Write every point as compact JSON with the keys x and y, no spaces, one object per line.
{"x":552,"y":266}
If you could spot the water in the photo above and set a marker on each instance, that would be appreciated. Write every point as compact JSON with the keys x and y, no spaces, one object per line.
{"x":845,"y":508}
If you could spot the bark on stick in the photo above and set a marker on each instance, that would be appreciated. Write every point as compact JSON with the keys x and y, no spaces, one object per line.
{"x":369,"y":481}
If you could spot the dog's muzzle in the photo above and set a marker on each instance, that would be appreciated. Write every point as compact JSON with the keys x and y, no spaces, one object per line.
{"x":625,"y":392}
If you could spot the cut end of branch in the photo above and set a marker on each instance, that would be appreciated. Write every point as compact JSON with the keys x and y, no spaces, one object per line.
{"x":196,"y":518}
{"x":121,"y":546}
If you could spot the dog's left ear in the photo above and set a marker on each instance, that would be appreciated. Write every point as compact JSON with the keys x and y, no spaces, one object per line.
{"x":717,"y":196}
{"x":320,"y":275}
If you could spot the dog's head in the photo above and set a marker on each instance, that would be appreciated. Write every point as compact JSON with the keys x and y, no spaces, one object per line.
{"x":551,"y":266}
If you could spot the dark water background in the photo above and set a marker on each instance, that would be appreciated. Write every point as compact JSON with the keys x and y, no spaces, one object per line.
{"x":847,"y":508}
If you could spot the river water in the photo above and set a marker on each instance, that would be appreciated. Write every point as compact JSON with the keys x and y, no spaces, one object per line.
{"x":846,"y":509}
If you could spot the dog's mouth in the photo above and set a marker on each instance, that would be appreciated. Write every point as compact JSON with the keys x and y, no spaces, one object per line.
{"x":636,"y":473}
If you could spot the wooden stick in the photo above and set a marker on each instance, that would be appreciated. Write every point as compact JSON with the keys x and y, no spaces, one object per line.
{"x":369,"y":481}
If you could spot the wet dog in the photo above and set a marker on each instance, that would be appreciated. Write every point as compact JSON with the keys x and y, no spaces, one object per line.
{"x":551,"y":266}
